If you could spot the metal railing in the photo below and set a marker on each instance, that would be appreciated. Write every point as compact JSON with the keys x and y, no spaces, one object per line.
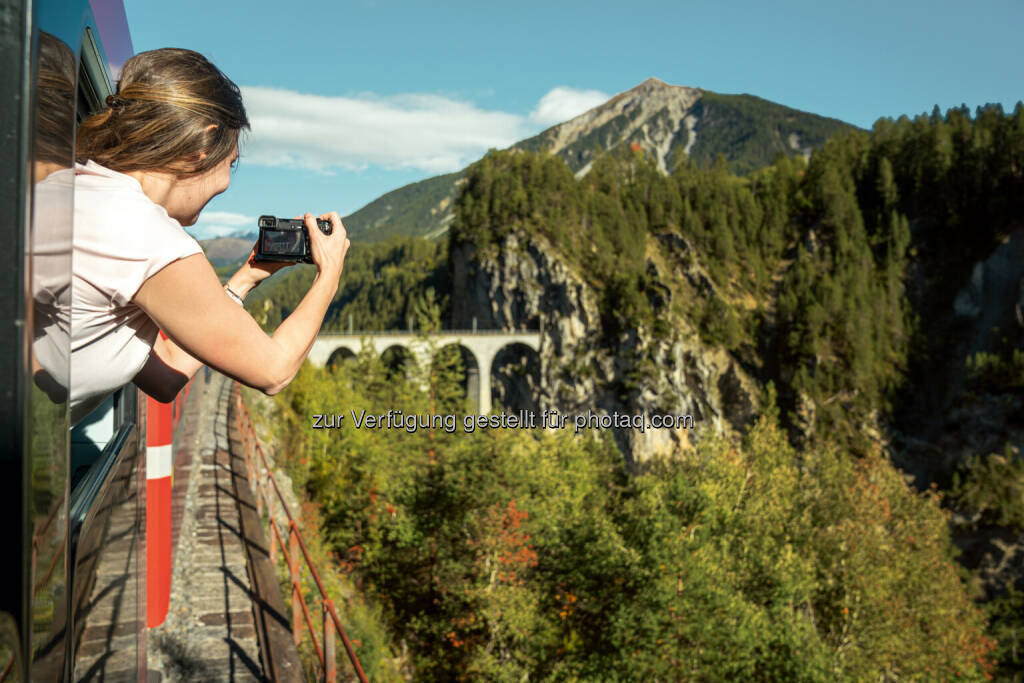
{"x":268,"y":494}
{"x":419,"y":333}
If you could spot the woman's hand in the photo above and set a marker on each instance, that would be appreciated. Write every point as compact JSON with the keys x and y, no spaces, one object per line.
{"x":328,"y":251}
{"x":327,"y":258}
{"x":254,"y":272}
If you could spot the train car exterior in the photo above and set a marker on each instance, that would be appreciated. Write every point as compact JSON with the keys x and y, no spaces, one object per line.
{"x":73,"y":595}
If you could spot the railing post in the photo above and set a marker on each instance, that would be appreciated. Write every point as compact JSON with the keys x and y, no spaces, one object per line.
{"x":330,"y":665}
{"x":273,"y":536}
{"x":259,"y":494}
{"x":249,"y":471}
{"x":293,"y":570}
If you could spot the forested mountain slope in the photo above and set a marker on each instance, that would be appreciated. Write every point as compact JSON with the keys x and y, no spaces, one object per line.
{"x":835,"y":279}
{"x":825,"y":321}
{"x":670,"y":123}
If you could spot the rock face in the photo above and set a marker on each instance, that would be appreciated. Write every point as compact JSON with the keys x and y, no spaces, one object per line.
{"x":948,"y":424}
{"x":994,"y":295}
{"x":956,"y":419}
{"x":528,"y":285}
{"x":654,"y":116}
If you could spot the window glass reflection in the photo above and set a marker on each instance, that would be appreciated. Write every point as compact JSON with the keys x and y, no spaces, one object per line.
{"x":50,"y":268}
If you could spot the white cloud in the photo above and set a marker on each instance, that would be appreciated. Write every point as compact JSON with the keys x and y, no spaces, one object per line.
{"x":221,"y":223}
{"x":427,"y":132}
{"x":227,"y":218}
{"x":561,"y":104}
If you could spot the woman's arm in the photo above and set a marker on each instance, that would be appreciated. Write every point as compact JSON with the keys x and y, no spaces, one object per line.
{"x":169,"y":367}
{"x":166,"y":371}
{"x":206,"y":326}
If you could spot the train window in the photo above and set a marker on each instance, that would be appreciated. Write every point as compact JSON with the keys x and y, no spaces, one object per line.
{"x":93,"y":83}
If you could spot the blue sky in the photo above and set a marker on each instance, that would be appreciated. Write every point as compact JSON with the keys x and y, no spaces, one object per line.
{"x":349,"y":100}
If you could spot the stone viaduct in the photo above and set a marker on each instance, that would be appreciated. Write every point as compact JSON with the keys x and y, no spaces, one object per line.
{"x":483,"y":346}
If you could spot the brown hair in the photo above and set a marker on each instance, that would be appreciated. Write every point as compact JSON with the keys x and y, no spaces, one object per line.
{"x":160,"y":117}
{"x":55,"y":103}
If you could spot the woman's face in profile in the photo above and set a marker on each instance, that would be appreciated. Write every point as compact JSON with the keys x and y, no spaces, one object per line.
{"x":194,"y":193}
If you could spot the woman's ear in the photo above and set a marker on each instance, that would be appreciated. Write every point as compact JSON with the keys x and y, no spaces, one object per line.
{"x":209,"y":129}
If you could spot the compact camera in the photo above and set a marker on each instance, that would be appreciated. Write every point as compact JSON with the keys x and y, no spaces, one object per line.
{"x":286,"y":239}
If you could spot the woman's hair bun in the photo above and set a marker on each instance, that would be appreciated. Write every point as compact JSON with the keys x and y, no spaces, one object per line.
{"x":185,"y":116}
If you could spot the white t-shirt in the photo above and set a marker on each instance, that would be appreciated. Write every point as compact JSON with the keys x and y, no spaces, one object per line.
{"x":121,"y":239}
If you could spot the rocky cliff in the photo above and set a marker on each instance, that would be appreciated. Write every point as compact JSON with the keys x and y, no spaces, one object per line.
{"x":958,"y":414}
{"x":526,"y":284}
{"x":951,"y":416}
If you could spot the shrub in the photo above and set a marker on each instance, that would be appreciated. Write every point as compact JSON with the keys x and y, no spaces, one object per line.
{"x":992,"y":486}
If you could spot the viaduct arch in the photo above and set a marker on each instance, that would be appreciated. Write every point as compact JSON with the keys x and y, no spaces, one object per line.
{"x":484,"y":346}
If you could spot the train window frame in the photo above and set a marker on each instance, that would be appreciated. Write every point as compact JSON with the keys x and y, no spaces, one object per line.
{"x":105,"y":445}
{"x":111,"y":420}
{"x":93,"y":83}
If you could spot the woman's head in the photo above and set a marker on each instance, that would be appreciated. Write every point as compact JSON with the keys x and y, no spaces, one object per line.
{"x":174,"y":112}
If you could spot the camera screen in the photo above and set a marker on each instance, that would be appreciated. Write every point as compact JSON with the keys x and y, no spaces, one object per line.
{"x":283,"y":242}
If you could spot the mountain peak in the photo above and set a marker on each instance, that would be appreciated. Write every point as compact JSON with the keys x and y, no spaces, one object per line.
{"x":654,"y":92}
{"x":668,"y":122}
{"x":652,"y":82}
{"x":652,"y":85}
{"x":654,"y":114}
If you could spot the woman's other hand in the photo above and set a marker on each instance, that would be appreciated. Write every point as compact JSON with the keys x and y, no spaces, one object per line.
{"x":254,"y":272}
{"x":328,"y":251}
